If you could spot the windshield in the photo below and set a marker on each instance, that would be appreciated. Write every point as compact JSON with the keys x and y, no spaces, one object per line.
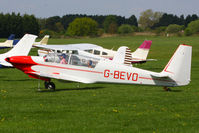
{"x":66,"y":58}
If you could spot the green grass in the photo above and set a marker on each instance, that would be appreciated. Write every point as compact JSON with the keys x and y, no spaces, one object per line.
{"x":103,"y":107}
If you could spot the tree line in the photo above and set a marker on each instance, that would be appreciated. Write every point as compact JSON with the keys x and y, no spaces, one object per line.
{"x":18,"y":25}
{"x":94,"y":25}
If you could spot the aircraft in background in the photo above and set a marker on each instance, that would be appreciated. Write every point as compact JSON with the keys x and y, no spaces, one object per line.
{"x":139,"y":56}
{"x":11,"y":42}
{"x":43,"y":41}
{"x":83,"y":69}
{"x":8,"y":43}
{"x":21,"y":49}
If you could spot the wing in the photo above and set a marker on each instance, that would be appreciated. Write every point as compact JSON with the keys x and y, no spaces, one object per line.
{"x":81,"y":46}
{"x":61,"y":76}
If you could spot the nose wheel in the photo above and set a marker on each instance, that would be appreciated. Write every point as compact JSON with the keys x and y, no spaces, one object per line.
{"x":49,"y":85}
{"x":166,"y":88}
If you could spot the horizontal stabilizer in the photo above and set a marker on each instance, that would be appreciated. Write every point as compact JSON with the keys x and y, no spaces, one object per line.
{"x":160,"y":75}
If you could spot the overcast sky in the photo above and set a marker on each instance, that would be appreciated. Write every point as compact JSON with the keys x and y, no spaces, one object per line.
{"x":47,"y":8}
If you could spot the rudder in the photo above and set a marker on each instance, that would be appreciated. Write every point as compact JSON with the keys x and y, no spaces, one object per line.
{"x":179,"y":66}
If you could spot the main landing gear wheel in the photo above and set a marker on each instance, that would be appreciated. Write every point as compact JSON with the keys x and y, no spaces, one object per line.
{"x":49,"y":85}
{"x":166,"y":88}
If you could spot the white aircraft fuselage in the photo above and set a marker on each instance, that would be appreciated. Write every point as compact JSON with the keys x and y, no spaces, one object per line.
{"x":94,"y":70}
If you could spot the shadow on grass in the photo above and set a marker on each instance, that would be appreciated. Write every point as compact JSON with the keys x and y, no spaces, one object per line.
{"x":172,"y":91}
{"x":71,"y":89}
{"x":176,"y":90}
{"x":18,"y":80}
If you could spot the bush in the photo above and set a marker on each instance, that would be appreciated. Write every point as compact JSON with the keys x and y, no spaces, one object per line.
{"x":110,"y":24}
{"x":125,"y":29}
{"x":193,"y":27}
{"x":100,"y":32}
{"x":135,"y":28}
{"x":112,"y":29}
{"x":82,"y":27}
{"x":173,"y":28}
{"x":188,"y":32}
{"x":159,"y":30}
{"x":46,"y":32}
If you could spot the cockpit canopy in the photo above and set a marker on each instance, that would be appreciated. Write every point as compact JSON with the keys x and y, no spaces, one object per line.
{"x":72,"y":59}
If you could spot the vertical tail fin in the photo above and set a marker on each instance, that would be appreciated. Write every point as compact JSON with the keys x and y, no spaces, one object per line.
{"x":11,"y":37}
{"x":179,"y":66}
{"x":23,"y":46}
{"x":8,"y":43}
{"x":43,"y":41}
{"x":123,"y":56}
{"x":141,"y":53}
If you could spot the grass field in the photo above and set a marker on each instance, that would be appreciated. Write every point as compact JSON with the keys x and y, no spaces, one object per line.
{"x":98,"y":108}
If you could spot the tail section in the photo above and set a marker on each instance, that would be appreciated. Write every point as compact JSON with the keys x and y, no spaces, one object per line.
{"x":141,"y":53}
{"x":8,"y":43}
{"x":43,"y":41}
{"x":21,"y":49}
{"x":11,"y":37}
{"x":179,"y":66}
{"x":123,"y":56}
{"x":23,"y":46}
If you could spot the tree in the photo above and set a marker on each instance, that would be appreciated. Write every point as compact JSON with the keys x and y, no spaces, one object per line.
{"x":148,"y":18}
{"x":125,"y":29}
{"x":50,"y":22}
{"x":188,"y":32}
{"x":30,"y":24}
{"x":192,"y":28}
{"x":83,"y":27}
{"x":110,"y":24}
{"x":59,"y":27}
{"x":173,"y":28}
{"x":190,"y":18}
{"x":132,"y":20}
{"x":168,"y":19}
{"x":160,"y":30}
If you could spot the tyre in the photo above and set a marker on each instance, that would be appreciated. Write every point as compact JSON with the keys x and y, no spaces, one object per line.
{"x":49,"y":85}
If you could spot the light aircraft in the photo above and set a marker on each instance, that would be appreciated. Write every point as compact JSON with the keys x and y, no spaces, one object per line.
{"x":11,"y":42}
{"x":84,"y":69}
{"x":8,"y":43}
{"x":21,"y":48}
{"x":139,"y":56}
{"x":43,"y":41}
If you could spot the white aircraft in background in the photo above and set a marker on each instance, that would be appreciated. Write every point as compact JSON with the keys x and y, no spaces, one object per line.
{"x":139,"y":56}
{"x":43,"y":41}
{"x":8,"y":43}
{"x":85,"y":69}
{"x":11,"y":42}
{"x":22,"y":48}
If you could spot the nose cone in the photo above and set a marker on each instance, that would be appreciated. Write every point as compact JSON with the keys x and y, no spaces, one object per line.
{"x":14,"y":59}
{"x":20,"y":60}
{"x":7,"y":59}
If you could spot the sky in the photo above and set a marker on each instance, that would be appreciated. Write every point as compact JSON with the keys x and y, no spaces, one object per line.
{"x":48,"y":8}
